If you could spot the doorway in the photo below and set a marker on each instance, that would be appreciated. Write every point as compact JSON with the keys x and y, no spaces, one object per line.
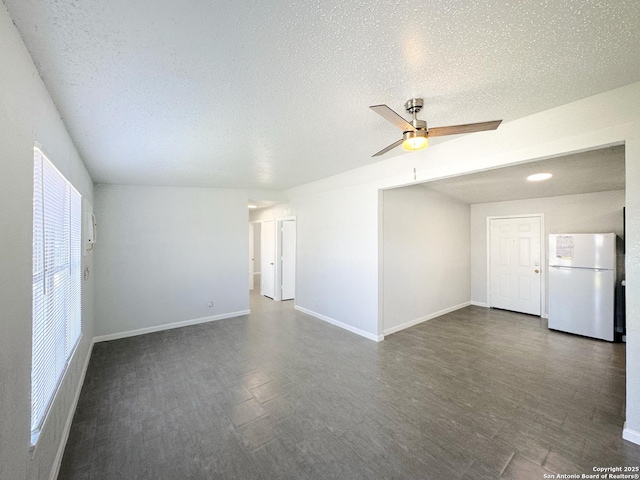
{"x":273,"y":248}
{"x":515,"y":263}
{"x":254,"y":254}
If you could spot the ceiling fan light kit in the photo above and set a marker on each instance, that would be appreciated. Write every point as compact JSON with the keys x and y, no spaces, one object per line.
{"x":415,"y":134}
{"x":416,"y":140}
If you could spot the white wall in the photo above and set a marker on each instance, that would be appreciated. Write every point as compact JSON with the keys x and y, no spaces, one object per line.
{"x":426,"y":263}
{"x":338,"y":234}
{"x":632,"y":276}
{"x":27,"y":114}
{"x":163,"y":253}
{"x":336,"y":261}
{"x":588,"y":213}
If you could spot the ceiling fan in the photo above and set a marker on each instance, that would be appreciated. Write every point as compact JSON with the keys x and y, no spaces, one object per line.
{"x":415,"y":133}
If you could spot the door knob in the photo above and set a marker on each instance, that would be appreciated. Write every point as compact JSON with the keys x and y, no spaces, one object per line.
{"x":537,"y":271}
{"x":272,"y":264}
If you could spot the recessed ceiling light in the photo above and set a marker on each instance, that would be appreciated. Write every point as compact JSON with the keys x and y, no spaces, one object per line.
{"x":252,"y":206}
{"x":538,"y":177}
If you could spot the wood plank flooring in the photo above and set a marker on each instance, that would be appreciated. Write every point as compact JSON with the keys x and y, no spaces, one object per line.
{"x":475,"y":394}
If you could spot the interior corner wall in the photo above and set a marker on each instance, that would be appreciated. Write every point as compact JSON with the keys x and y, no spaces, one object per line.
{"x":164,"y":253}
{"x":426,"y":263}
{"x":27,"y":113}
{"x":336,"y":248}
{"x":599,"y":212}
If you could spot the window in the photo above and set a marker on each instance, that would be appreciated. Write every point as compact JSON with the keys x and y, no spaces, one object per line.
{"x":56,"y":283}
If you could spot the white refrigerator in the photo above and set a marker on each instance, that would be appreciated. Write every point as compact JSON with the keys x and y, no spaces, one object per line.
{"x":582,"y":280}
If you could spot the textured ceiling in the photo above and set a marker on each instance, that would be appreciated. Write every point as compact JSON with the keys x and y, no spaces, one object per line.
{"x":587,"y":172}
{"x":270,"y":95}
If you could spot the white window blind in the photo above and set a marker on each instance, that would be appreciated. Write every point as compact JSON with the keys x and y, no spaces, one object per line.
{"x":56,"y":283}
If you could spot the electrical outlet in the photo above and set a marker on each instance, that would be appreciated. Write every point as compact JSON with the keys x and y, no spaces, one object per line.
{"x":210,"y":305}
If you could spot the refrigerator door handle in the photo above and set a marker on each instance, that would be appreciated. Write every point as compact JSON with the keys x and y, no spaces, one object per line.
{"x":563,"y":267}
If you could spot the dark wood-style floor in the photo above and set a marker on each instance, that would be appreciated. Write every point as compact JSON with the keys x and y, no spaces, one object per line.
{"x":475,"y":394}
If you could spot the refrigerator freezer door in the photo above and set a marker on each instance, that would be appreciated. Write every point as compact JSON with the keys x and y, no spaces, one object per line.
{"x":581,"y":301}
{"x":597,"y":250}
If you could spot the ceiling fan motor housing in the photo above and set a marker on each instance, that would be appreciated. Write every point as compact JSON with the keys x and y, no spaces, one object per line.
{"x":414,"y":105}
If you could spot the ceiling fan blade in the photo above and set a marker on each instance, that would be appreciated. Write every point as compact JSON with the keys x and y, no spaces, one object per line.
{"x":393,"y":117}
{"x":390,"y":147}
{"x":466,"y":128}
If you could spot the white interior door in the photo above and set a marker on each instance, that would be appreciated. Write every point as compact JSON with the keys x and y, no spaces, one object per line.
{"x":514,"y":264}
{"x":268,"y":258}
{"x":288,"y":259}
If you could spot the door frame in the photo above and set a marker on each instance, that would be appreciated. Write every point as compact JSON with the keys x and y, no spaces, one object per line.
{"x":278,"y":279}
{"x":543,"y":257}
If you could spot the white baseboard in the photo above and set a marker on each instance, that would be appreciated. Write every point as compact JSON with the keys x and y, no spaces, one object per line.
{"x":169,"y":326}
{"x":362,"y":333}
{"x":486,"y":305}
{"x":631,"y":435}
{"x":416,"y":321}
{"x":57,"y":461}
{"x":479,"y":304}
